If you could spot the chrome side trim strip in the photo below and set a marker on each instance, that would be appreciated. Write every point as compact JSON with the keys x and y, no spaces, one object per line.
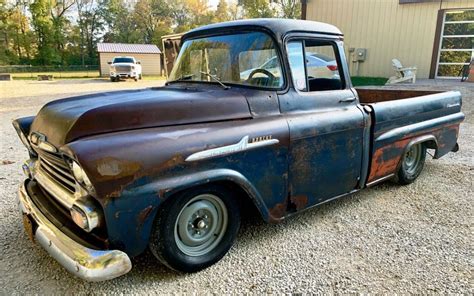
{"x":380,"y":180}
{"x":242,"y":145}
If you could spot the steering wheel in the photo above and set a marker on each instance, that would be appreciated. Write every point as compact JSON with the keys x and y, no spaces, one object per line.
{"x":262,"y":71}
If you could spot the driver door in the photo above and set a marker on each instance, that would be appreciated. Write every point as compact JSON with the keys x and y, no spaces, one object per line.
{"x":325,"y":122}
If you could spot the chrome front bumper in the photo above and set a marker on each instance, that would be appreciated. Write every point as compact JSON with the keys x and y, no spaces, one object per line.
{"x":85,"y":263}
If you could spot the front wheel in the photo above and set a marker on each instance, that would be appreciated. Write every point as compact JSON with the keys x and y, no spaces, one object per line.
{"x":412,"y":164}
{"x":196,"y":228}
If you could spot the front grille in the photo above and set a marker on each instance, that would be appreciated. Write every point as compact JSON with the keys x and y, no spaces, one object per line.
{"x":60,"y":217}
{"x":123,"y":68}
{"x":57,"y":169}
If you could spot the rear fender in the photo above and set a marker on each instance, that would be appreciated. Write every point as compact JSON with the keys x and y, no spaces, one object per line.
{"x":429,"y":141}
{"x":438,"y":133}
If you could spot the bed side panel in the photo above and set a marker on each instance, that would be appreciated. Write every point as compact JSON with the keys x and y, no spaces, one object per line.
{"x":397,"y":123}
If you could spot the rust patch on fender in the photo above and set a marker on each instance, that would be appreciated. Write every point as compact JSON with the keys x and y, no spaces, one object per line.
{"x":277,"y":212}
{"x":299,"y":201}
{"x":143,"y":215}
{"x":385,"y":160}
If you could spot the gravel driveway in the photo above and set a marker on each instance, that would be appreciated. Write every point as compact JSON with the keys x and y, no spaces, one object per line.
{"x":416,"y":238}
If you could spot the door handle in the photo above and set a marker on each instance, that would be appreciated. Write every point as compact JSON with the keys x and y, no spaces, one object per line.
{"x":347,"y":100}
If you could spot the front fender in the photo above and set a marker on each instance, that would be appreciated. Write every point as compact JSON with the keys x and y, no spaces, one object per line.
{"x":168,"y":187}
{"x":130,"y":218}
{"x":133,"y":172}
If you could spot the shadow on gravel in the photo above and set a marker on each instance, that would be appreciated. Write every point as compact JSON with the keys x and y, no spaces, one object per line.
{"x":147,"y":269}
{"x":253,"y":231}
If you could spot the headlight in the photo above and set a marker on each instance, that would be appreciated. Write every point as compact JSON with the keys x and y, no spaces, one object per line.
{"x":81,"y":176}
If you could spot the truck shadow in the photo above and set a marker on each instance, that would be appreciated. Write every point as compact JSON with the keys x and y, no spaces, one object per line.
{"x":255,"y":232}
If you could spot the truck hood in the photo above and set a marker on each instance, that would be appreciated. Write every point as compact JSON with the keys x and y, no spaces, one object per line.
{"x":66,"y":120}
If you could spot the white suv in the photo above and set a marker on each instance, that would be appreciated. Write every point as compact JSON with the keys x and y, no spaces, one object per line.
{"x":125,"y":67}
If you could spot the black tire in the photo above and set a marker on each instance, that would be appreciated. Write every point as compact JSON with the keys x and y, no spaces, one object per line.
{"x":412,"y":164}
{"x":140,"y":76}
{"x":112,"y":79}
{"x":167,"y":244}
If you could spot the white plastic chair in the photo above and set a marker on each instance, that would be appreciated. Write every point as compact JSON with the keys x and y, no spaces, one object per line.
{"x":402,"y":73}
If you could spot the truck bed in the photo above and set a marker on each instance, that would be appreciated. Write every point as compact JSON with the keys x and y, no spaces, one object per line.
{"x":401,"y":117}
{"x":376,"y":95}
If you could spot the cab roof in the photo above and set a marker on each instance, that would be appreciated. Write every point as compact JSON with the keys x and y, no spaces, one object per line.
{"x":278,"y":26}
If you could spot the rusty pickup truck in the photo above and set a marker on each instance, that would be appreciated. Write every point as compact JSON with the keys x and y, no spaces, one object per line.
{"x":255,"y":113}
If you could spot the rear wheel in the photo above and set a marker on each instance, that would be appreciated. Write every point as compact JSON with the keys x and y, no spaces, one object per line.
{"x":412,"y":164}
{"x":196,"y":228}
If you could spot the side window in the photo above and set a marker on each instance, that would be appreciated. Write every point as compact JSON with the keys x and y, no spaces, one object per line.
{"x":322,"y":71}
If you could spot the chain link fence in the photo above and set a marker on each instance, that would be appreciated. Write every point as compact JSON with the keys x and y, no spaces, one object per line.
{"x":72,"y":71}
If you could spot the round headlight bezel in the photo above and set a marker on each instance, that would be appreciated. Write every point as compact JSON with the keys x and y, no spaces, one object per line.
{"x":81,"y":177}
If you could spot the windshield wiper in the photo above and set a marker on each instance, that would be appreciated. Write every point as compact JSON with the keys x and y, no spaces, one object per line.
{"x":182,"y":77}
{"x":215,"y":79}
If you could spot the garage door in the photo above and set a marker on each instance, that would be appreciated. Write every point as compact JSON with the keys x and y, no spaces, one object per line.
{"x":457,"y":43}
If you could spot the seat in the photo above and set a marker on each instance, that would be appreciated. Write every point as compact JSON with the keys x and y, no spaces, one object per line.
{"x":402,"y":73}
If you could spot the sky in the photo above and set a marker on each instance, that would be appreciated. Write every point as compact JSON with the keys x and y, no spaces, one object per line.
{"x":213,"y":3}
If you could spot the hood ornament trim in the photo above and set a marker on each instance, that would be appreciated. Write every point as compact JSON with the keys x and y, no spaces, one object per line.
{"x":39,"y":140}
{"x":242,"y":145}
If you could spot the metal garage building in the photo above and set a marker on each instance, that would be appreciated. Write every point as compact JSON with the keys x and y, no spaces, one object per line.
{"x":148,"y":54}
{"x":437,"y":36}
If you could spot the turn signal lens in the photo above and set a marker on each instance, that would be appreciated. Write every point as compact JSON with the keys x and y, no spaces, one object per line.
{"x":79,"y":217}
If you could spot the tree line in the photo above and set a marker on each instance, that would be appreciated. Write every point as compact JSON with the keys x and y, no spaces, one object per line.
{"x":66,"y":32}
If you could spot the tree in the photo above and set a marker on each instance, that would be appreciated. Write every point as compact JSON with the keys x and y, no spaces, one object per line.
{"x":43,"y":25}
{"x":61,"y":25}
{"x":258,"y":8}
{"x":91,"y":23}
{"x":121,"y":25}
{"x":153,"y":20}
{"x":225,"y":11}
{"x":289,"y":8}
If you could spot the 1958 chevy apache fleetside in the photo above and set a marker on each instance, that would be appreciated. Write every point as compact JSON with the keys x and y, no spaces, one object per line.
{"x":258,"y":112}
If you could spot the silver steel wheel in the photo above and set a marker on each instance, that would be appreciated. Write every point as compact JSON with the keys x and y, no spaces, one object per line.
{"x":201,"y":225}
{"x":411,"y":162}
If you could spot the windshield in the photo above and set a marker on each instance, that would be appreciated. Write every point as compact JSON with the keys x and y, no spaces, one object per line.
{"x":245,"y":59}
{"x":123,"y":60}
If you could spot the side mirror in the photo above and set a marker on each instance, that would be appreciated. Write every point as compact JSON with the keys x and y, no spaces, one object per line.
{"x":138,"y":62}
{"x":110,"y":63}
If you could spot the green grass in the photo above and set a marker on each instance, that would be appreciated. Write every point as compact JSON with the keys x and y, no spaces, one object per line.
{"x":366,"y":81}
{"x":153,"y":77}
{"x":73,"y":75}
{"x":57,"y":75}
